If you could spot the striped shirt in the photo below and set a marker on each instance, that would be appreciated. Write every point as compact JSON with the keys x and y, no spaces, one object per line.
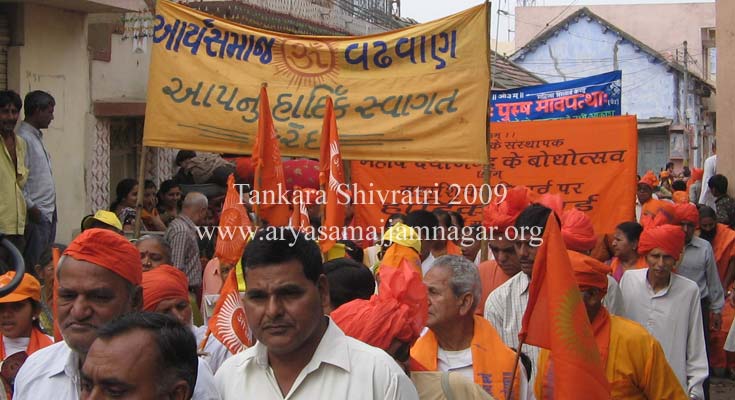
{"x":181,"y":235}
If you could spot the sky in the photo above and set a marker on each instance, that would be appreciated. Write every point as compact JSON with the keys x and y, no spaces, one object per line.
{"x":427,"y":10}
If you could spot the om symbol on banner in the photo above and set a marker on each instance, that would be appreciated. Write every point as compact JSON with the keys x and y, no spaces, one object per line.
{"x":306,"y":63}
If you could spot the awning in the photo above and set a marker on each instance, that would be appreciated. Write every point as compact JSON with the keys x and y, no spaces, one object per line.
{"x":654,"y":124}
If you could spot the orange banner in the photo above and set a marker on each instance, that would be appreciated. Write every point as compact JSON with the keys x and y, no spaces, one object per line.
{"x":590,"y":162}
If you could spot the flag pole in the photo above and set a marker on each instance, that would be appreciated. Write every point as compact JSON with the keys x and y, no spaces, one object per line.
{"x":515,"y":367}
{"x":258,"y":181}
{"x":485,"y":187}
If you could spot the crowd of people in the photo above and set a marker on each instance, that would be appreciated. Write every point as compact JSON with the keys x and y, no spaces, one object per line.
{"x":411,"y":316}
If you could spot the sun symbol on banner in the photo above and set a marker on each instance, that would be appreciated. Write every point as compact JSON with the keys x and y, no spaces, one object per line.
{"x":306,"y":62}
{"x":565,"y":326}
{"x":233,"y":324}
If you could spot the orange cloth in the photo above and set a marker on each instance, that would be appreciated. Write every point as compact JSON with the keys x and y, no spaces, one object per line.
{"x":229,"y":323}
{"x":453,"y":249}
{"x":556,"y":319}
{"x":108,"y":250}
{"x":29,"y":288}
{"x":617,"y":269}
{"x":163,"y":283}
{"x":492,"y":360}
{"x":299,"y":214}
{"x":680,"y":197}
{"x":269,"y":175}
{"x":654,"y":207}
{"x":588,"y":271}
{"x":669,"y":238}
{"x":398,"y":311}
{"x":395,"y":255}
{"x":697,"y":175}
{"x":552,"y":201}
{"x":636,"y":367}
{"x":38,"y":341}
{"x":649,"y":179}
{"x":229,"y":248}
{"x":503,"y":214}
{"x":723,"y":246}
{"x":686,"y":213}
{"x":491,"y":276}
{"x":211,"y":280}
{"x":331,"y":178}
{"x":577,"y":231}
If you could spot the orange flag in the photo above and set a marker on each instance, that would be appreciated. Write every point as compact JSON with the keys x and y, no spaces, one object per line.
{"x":234,"y":226}
{"x":299,"y":215}
{"x":55,"y":257}
{"x":556,"y":319}
{"x":331,"y":179}
{"x":228,"y":322}
{"x":269,"y":178}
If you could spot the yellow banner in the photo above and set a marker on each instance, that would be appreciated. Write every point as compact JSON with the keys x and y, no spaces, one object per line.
{"x":415,"y":94}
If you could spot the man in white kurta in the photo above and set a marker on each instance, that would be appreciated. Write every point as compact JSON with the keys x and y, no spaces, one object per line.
{"x":672,"y":313}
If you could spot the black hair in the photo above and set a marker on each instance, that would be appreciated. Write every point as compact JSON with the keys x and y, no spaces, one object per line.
{"x":37,"y":100}
{"x":177,"y":347}
{"x":719,"y":183}
{"x":184,"y":155}
{"x":280,"y":244}
{"x":391,"y":220}
{"x":534,"y":215}
{"x":166,"y":186}
{"x":443,"y":217}
{"x":679,"y":185}
{"x":10,"y":97}
{"x":123,"y":188}
{"x":707,"y":212}
{"x":669,"y":165}
{"x":458,"y":217}
{"x":149,"y":184}
{"x":631,"y":230}
{"x":348,"y":280}
{"x":353,"y":250}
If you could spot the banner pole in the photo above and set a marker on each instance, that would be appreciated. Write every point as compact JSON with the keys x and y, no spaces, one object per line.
{"x":515,"y":368}
{"x":141,"y":192}
{"x":486,"y":168}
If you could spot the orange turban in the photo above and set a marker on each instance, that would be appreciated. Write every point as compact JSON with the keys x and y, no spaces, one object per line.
{"x":665,"y":174}
{"x":588,"y":271}
{"x":503,"y":214}
{"x":669,"y":238}
{"x":108,"y":250}
{"x":687,"y":213}
{"x":680,"y":197}
{"x":398,"y":311}
{"x":660,"y":212}
{"x":577,"y":231}
{"x":163,"y":283}
{"x":697,"y":174}
{"x":649,"y":179}
{"x":552,"y":201}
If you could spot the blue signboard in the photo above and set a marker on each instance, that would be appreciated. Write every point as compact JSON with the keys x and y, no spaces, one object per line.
{"x":591,"y":97}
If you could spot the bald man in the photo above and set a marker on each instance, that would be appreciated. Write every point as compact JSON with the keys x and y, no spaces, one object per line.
{"x":182,"y":236}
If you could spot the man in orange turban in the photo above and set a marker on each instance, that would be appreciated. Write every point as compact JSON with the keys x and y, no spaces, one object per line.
{"x":668,"y":305}
{"x":647,"y":203}
{"x":497,"y":217}
{"x":635,"y":363}
{"x":166,"y":291}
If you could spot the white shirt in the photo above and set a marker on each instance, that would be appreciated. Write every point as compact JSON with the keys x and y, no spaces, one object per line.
{"x":613,"y":300}
{"x":674,"y":317}
{"x":15,"y":345}
{"x":456,"y":361}
{"x":341,"y":368}
{"x":215,"y":352}
{"x":426,"y":264}
{"x":504,"y":308}
{"x":53,"y":373}
{"x":710,"y":170}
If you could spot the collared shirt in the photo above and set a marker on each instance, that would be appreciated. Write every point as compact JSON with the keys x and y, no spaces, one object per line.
{"x":699,"y":265}
{"x":53,"y":373}
{"x":341,"y":368}
{"x":12,"y":180}
{"x":39,"y":190}
{"x":181,"y":235}
{"x":674,"y":317}
{"x":504,"y":308}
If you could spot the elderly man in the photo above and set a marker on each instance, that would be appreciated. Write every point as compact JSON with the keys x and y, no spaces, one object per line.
{"x":506,"y":305}
{"x":163,"y":365}
{"x":165,"y":291}
{"x":300,"y":353}
{"x":635,"y":363}
{"x":668,"y":306}
{"x":182,"y":236}
{"x":99,"y":281}
{"x":457,"y":339}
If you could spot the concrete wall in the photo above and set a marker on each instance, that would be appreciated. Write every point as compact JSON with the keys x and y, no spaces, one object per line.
{"x":125,"y":76}
{"x":726,"y":90}
{"x":54,"y":58}
{"x":664,"y":27}
{"x":648,"y":88}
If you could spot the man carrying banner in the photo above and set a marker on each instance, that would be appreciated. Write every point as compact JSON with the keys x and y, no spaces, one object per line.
{"x":635,"y":363}
{"x":460,"y":341}
{"x":668,"y":306}
{"x":300,"y":353}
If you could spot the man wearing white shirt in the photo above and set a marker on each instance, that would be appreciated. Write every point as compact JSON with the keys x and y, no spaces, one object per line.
{"x":668,"y":306}
{"x":710,"y":170}
{"x":301,"y":353}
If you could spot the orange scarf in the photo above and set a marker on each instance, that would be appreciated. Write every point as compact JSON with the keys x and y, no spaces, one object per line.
{"x":491,"y":276}
{"x":617,"y":267}
{"x":37,"y":342}
{"x":723,"y":246}
{"x":492,"y":360}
